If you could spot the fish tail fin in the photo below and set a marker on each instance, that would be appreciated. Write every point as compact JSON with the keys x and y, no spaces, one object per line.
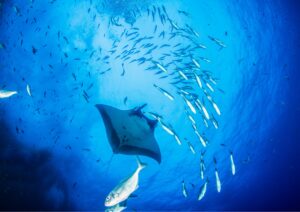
{"x":140,"y":164}
{"x":207,"y":180}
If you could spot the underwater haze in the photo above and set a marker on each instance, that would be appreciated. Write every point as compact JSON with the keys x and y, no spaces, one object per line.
{"x":213,"y":83}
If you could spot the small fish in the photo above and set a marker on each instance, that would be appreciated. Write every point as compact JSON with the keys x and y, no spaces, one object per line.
{"x":212,"y":80}
{"x":192,"y":30}
{"x":191,"y":148}
{"x":66,"y":39}
{"x":123,"y":73}
{"x":218,"y":42}
{"x":166,"y":128}
{"x":194,"y":127}
{"x":91,"y":85}
{"x":183,"y":75}
{"x":202,"y":165}
{"x":192,"y":119}
{"x":155,"y":116}
{"x":215,"y":123}
{"x":155,"y":29}
{"x":161,"y":67}
{"x":122,"y":191}
{"x":201,"y":46}
{"x":201,"y":138}
{"x":34,"y":50}
{"x":7,"y":94}
{"x":203,"y":109}
{"x":205,"y":59}
{"x":86,"y":149}
{"x":218,"y":182}
{"x":202,"y":191}
{"x":86,"y":98}
{"x":215,"y":106}
{"x":202,"y":168}
{"x":205,"y":123}
{"x":166,"y":93}
{"x":184,"y":92}
{"x":232,"y":164}
{"x":195,"y":33}
{"x":196,"y":63}
{"x":189,"y":104}
{"x":210,"y":87}
{"x":184,"y":191}
{"x":125,"y":100}
{"x":174,"y":25}
{"x":74,"y":76}
{"x":28,"y":90}
{"x":183,"y":12}
{"x":198,"y":80}
{"x":177,"y":139}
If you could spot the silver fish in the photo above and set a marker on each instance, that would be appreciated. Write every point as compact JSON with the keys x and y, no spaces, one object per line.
{"x":201,"y":138}
{"x":203,"y":109}
{"x":177,"y":139}
{"x":215,"y":106}
{"x":202,"y":168}
{"x":155,"y":116}
{"x":7,"y":94}
{"x":209,"y":87}
{"x":196,"y":63}
{"x":184,"y":191}
{"x":215,"y":123}
{"x":189,"y":104}
{"x":232,"y":164}
{"x":166,"y":93}
{"x":161,"y":67}
{"x":28,"y":90}
{"x":218,"y":182}
{"x":183,"y":75}
{"x":191,"y":148}
{"x":202,"y":191}
{"x":121,"y":192}
{"x":205,"y":123}
{"x":198,"y":80}
{"x":166,"y":128}
{"x":192,"y":119}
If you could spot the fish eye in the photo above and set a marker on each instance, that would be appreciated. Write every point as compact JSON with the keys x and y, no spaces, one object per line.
{"x":108,"y":198}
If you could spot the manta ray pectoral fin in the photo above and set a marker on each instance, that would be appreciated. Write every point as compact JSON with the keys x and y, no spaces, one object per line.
{"x":130,"y":132}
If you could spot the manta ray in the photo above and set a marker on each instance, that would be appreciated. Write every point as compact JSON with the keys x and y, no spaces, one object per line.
{"x":130,"y":132}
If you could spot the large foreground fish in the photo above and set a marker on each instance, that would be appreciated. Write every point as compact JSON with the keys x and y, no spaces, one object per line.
{"x":122,"y":191}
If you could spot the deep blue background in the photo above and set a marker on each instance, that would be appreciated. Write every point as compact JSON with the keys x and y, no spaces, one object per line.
{"x":26,"y":173}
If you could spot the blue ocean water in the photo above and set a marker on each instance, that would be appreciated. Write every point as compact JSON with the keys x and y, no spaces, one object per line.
{"x":55,"y":153}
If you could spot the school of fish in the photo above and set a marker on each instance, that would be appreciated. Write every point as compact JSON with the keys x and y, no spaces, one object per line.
{"x":171,"y":51}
